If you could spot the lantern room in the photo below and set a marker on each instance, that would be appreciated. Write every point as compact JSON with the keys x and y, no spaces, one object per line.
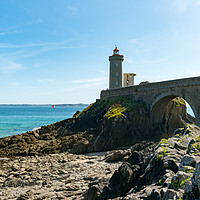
{"x":116,"y":51}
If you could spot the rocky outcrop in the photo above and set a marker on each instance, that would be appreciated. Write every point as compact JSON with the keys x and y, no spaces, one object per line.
{"x":169,"y":170}
{"x":144,"y":167}
{"x":104,"y":125}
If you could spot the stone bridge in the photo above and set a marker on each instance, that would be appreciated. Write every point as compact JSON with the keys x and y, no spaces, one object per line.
{"x":158,"y":94}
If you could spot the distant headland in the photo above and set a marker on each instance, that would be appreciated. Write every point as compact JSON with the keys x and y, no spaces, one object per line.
{"x":57,"y":105}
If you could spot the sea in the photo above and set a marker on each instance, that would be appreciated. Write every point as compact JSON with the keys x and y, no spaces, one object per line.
{"x":20,"y":119}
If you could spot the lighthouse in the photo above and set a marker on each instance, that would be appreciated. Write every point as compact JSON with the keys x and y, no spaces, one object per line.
{"x":116,"y":60}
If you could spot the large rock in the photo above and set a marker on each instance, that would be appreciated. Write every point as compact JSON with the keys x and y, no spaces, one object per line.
{"x":121,"y":181}
{"x":93,"y":193}
{"x":197,"y":176}
{"x":116,"y":155}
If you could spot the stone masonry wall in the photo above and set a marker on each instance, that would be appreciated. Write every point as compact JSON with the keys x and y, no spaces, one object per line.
{"x":150,"y":94}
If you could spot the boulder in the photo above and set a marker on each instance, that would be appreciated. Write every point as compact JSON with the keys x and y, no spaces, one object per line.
{"x":121,"y":181}
{"x":93,"y":193}
{"x":187,"y":160}
{"x":116,"y":155}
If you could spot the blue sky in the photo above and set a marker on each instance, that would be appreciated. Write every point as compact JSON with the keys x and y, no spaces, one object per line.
{"x":56,"y":51}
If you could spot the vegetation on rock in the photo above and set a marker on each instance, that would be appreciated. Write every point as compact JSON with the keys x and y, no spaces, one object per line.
{"x":115,"y":111}
{"x":164,"y":141}
{"x":179,"y":101}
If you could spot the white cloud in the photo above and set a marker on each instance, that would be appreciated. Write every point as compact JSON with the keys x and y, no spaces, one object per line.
{"x":129,"y":61}
{"x":12,"y":67}
{"x":141,"y":51}
{"x":150,"y":62}
{"x":101,"y":71}
{"x":135,"y":41}
{"x":78,"y":87}
{"x":37,"y":21}
{"x":80,"y":83}
{"x":139,"y":41}
{"x":93,"y":80}
{"x":39,"y":44}
{"x":18,"y":51}
{"x":72,"y":10}
{"x":9,"y":32}
{"x":32,"y":49}
{"x":180,"y":6}
{"x":9,"y":66}
{"x":47,"y":81}
{"x":14,"y":84}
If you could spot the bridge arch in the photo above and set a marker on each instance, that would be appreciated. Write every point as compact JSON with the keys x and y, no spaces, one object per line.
{"x":159,"y":105}
{"x":152,"y":93}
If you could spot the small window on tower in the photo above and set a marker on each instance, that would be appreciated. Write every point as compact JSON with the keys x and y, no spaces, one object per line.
{"x":116,"y":73}
{"x":116,"y":83}
{"x":116,"y":64}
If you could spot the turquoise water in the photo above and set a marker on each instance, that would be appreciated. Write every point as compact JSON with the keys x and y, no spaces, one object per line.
{"x":19,"y":119}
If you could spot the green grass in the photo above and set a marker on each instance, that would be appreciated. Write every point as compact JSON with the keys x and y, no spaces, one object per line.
{"x":128,"y":103}
{"x":178,"y":184}
{"x":178,"y":101}
{"x":84,"y":111}
{"x":165,"y":151}
{"x":115,"y":111}
{"x":160,"y":156}
{"x":161,"y":182}
{"x":197,"y":139}
{"x":177,"y":135}
{"x":164,"y":141}
{"x":183,"y":181}
{"x":115,"y":108}
{"x":191,"y":170}
{"x":196,"y":145}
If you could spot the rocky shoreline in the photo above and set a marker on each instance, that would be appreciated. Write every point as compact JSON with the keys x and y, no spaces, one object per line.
{"x":169,"y":169}
{"x":54,"y":176}
{"x":61,"y":160}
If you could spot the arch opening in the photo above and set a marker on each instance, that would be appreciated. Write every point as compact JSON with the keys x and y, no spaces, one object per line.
{"x":189,"y":109}
{"x":169,"y":113}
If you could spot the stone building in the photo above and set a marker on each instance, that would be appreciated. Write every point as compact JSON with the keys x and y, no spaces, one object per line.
{"x":128,"y":79}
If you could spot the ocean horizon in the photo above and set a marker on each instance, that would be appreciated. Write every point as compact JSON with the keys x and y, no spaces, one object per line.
{"x":17,"y":119}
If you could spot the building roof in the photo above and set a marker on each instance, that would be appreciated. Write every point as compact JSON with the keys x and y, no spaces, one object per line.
{"x":116,"y":52}
{"x":116,"y":49}
{"x":129,"y":74}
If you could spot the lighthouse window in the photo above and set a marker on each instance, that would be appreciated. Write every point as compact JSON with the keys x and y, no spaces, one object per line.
{"x":116,"y":64}
{"x":116,"y":73}
{"x":116,"y":83}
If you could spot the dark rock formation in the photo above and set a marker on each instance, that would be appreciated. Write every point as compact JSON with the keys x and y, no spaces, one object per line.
{"x":152,"y":169}
{"x":169,"y":170}
{"x":104,"y":125}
